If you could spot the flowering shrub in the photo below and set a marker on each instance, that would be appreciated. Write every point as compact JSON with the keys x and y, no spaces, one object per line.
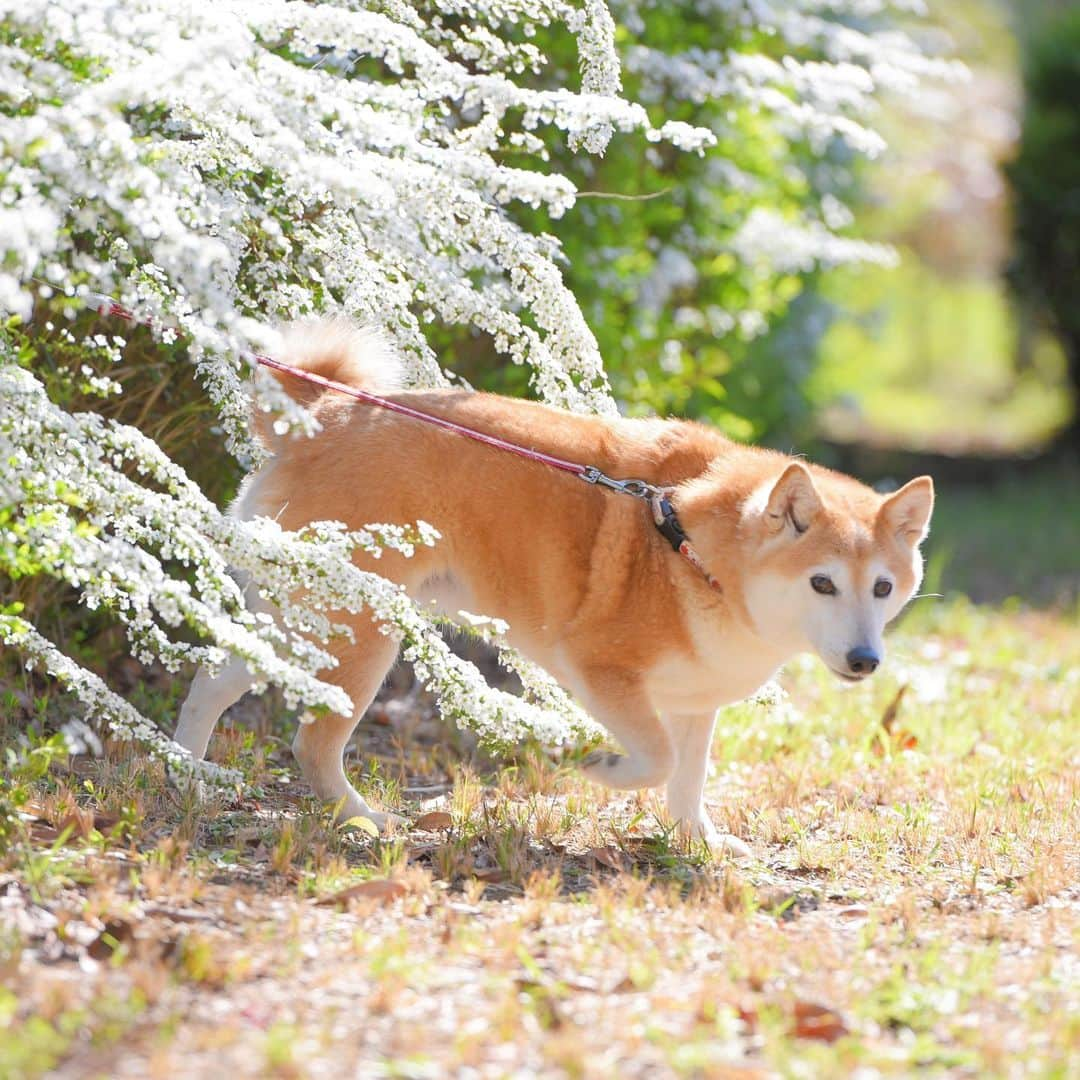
{"x":687,"y":275}
{"x":219,"y":167}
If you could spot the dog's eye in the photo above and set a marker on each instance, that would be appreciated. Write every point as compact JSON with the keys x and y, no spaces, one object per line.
{"x":822,"y":584}
{"x":882,"y":588}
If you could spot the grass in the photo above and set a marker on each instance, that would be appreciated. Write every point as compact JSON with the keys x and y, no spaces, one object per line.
{"x":913,"y":902}
{"x":1018,"y":538}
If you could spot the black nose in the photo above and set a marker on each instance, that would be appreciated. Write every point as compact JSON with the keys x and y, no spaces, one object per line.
{"x":863,"y":661}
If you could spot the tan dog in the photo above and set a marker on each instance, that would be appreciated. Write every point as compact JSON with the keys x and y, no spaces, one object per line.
{"x":804,"y":559}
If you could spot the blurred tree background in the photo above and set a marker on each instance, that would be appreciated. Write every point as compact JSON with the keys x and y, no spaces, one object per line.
{"x":1045,"y":178}
{"x":963,"y":347}
{"x":958,"y":350}
{"x":702,"y":276}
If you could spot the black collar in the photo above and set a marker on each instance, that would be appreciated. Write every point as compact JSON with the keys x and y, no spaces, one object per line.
{"x":667,"y":523}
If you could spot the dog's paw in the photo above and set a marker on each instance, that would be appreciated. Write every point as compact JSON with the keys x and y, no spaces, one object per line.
{"x":701,"y":828}
{"x":385,"y":823}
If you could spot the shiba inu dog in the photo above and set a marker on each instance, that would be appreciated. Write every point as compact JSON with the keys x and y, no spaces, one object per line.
{"x":791,"y":558}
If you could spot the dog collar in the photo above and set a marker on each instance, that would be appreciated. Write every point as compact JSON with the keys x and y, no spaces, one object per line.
{"x":663,"y":514}
{"x":667,"y":524}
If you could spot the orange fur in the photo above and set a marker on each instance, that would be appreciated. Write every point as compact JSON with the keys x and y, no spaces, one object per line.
{"x":588,"y":586}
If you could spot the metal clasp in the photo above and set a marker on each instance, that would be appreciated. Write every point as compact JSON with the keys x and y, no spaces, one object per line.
{"x":639,"y":489}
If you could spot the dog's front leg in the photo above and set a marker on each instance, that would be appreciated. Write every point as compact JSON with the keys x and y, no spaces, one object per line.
{"x":692,"y":738}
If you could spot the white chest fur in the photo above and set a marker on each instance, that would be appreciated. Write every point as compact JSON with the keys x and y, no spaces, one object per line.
{"x":727,"y":665}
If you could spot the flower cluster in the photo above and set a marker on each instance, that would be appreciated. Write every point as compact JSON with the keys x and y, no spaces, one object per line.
{"x":103,"y":705}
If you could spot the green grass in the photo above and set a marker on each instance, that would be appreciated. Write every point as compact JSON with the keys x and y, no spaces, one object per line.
{"x":912,"y":903}
{"x":1016,"y":539}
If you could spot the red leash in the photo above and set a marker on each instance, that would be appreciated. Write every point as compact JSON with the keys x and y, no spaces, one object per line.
{"x":429,"y":418}
{"x":662,"y":511}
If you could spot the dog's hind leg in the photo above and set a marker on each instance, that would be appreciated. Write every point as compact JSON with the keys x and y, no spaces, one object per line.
{"x":618,"y":701}
{"x":692,"y":736}
{"x":319,"y":746}
{"x":209,"y":696}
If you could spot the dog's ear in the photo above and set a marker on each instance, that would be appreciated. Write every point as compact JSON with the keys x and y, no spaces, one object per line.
{"x":906,"y":513}
{"x":794,"y":501}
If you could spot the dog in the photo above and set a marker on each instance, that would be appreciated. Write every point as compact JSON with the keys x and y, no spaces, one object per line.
{"x":790,"y":558}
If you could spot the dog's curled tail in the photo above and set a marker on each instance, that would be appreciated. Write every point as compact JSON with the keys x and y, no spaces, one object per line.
{"x":335,"y":348}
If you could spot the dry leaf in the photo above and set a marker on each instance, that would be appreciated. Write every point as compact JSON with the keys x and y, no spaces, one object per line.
{"x":364,"y":824}
{"x":434,"y":821}
{"x":382,"y":890}
{"x":105,"y":822}
{"x":892,"y":710}
{"x":813,"y":1021}
{"x":41,"y":833}
{"x":904,"y":740}
{"x":610,"y":857}
{"x":749,"y":1017}
{"x":493,"y":875}
{"x":116,"y":933}
{"x":854,"y":911}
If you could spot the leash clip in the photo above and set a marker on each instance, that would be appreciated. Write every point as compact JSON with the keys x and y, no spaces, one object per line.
{"x":639,"y":489}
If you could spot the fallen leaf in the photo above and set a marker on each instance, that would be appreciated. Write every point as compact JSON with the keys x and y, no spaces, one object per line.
{"x":116,"y":932}
{"x":610,"y":857}
{"x":904,"y":740}
{"x":493,"y":875}
{"x":382,"y":890}
{"x":434,"y":821}
{"x":813,"y":1021}
{"x":41,"y":833}
{"x":854,"y":911}
{"x":749,"y":1017}
{"x":892,"y":710}
{"x":105,"y":823}
{"x":364,"y":824}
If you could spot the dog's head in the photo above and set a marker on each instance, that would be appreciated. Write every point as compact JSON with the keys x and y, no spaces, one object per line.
{"x":830,"y":562}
